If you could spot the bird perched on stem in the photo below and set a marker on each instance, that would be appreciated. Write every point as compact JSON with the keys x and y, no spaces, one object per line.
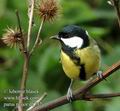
{"x":80,"y":54}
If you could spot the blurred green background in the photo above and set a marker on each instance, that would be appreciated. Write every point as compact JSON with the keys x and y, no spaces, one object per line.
{"x":45,"y":71}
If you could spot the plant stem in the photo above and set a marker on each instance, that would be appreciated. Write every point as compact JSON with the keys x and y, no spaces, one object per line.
{"x":30,"y":23}
{"x":19,"y":24}
{"x":25,"y":67}
{"x":37,"y":38}
{"x":117,"y":9}
{"x":23,"y":81}
{"x":104,"y":96}
{"x":20,"y":28}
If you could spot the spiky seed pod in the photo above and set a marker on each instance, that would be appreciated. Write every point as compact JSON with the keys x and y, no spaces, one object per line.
{"x":48,"y":9}
{"x":12,"y":37}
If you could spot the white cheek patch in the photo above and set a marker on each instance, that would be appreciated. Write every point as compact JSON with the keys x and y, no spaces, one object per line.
{"x":73,"y":42}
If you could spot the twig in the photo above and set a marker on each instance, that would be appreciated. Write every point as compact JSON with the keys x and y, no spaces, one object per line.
{"x":37,"y":102}
{"x":23,"y":82}
{"x":97,"y":96}
{"x":30,"y":23}
{"x":37,"y":38}
{"x":18,"y":19}
{"x":25,"y":67}
{"x":19,"y":24}
{"x":117,"y":9}
{"x":79,"y":94}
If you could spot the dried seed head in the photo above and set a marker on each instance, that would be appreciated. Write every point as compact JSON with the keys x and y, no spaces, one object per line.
{"x":12,"y":37}
{"x":48,"y":9}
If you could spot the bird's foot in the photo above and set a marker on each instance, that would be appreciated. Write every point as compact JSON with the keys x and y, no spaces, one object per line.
{"x":69,"y":95}
{"x":99,"y":74}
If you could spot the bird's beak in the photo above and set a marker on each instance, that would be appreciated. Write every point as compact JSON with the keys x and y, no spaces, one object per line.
{"x":55,"y":37}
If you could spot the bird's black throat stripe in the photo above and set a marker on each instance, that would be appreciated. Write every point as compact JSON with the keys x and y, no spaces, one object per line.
{"x":70,"y":52}
{"x":82,"y":74}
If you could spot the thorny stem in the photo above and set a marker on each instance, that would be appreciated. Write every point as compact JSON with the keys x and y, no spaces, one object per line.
{"x":30,"y":23}
{"x":37,"y":38}
{"x":82,"y":93}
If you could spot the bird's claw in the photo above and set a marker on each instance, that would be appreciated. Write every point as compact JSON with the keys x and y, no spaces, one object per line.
{"x":99,"y":74}
{"x":69,"y":95}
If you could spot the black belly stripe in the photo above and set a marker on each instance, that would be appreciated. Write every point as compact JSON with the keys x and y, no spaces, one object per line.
{"x":82,"y":74}
{"x":70,"y":52}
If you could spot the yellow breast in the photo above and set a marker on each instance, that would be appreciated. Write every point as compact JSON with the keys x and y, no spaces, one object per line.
{"x":70,"y":69}
{"x":89,"y":56}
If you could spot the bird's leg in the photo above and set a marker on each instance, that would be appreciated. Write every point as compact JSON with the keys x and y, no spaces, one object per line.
{"x":69,"y":92}
{"x":99,"y":74}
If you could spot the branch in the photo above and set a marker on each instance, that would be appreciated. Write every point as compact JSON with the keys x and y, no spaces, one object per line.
{"x":25,"y":67}
{"x":80,"y":94}
{"x":97,"y":96}
{"x":115,"y":3}
{"x":23,"y":81}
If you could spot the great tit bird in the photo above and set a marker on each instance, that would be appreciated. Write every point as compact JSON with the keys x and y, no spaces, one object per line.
{"x":80,"y":54}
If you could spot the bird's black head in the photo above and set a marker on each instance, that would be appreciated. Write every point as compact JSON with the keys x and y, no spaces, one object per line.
{"x":73,"y":36}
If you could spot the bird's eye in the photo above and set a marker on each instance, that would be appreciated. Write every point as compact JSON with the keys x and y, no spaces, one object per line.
{"x":63,"y":35}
